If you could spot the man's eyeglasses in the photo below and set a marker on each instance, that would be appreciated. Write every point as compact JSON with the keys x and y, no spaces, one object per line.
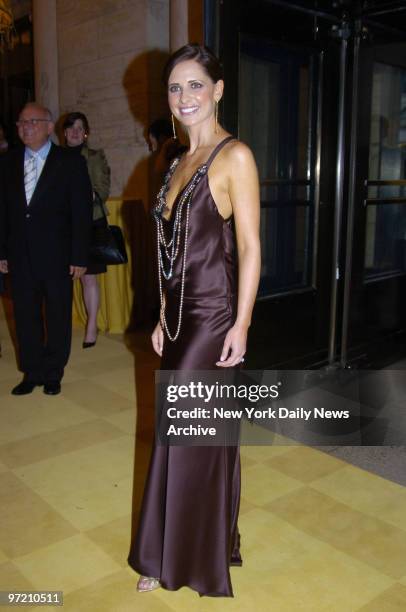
{"x":30,"y":122}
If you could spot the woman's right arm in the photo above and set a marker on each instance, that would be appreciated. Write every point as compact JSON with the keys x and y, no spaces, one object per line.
{"x":158,"y":335}
{"x":158,"y":339}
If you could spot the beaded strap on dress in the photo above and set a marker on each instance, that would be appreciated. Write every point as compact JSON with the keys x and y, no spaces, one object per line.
{"x":168,"y":250}
{"x":160,"y":205}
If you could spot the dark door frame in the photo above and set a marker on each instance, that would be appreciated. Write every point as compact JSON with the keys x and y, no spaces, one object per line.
{"x":352,"y":24}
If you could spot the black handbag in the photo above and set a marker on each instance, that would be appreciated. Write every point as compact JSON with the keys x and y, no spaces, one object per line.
{"x":107,"y":243}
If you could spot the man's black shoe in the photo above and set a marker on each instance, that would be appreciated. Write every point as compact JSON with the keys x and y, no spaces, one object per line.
{"x":52,"y":388}
{"x":24,"y":388}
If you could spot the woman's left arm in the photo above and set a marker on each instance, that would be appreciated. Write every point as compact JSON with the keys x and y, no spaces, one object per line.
{"x":244,"y":196}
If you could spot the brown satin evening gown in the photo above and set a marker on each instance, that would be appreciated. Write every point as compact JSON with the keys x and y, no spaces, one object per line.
{"x":188,"y":532}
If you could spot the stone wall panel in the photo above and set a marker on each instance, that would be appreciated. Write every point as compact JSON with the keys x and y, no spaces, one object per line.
{"x":122,"y":31}
{"x":73,"y":12}
{"x":68,"y":89}
{"x":77,"y":44}
{"x":111,"y":54}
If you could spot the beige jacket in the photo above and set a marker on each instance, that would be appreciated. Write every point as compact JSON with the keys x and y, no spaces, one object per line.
{"x":99,"y":173}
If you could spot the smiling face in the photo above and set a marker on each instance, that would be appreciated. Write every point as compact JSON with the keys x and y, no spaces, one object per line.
{"x":192,"y":94}
{"x":34,"y":126}
{"x":75,"y":134}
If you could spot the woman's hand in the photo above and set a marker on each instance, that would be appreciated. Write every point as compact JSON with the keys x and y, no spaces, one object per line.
{"x":76,"y":271}
{"x":234,"y":347}
{"x":158,"y":339}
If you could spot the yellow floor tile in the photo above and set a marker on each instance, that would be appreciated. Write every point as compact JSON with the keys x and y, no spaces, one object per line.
{"x":55,"y":443}
{"x":264,"y":453}
{"x":246,"y":462}
{"x":66,"y":565}
{"x":3,"y":557}
{"x":9,"y":371}
{"x":37,"y":413}
{"x":120,"y":381}
{"x":125,"y":420}
{"x":376,"y":543}
{"x":83,"y":486}
{"x":73,"y":375}
{"x":305,"y":464}
{"x":273,"y":484}
{"x":259,"y":525}
{"x":391,"y":600}
{"x":367,"y":493}
{"x":27,"y":520}
{"x":107,"y":365}
{"x":113,"y":538}
{"x":246,"y":506}
{"x":11,"y":578}
{"x":98,"y":400}
{"x":297,"y":569}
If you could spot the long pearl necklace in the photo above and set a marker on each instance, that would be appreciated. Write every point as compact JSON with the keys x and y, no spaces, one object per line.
{"x":168,"y":250}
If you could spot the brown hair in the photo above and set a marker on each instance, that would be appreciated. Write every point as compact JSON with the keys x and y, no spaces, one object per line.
{"x":200,"y":54}
{"x":72,"y":117}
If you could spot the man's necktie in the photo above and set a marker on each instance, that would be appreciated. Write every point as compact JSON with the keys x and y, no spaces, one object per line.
{"x":30,"y":177}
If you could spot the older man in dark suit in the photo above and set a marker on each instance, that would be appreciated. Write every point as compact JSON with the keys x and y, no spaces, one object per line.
{"x":45,"y":224}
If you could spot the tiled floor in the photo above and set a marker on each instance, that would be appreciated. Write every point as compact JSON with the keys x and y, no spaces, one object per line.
{"x":318,"y":534}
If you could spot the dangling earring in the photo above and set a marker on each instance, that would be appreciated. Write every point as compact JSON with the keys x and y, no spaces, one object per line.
{"x":216,"y":117}
{"x":173,"y":127}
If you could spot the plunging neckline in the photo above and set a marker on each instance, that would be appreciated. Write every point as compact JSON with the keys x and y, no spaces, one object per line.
{"x":202,"y":169}
{"x":180,"y":192}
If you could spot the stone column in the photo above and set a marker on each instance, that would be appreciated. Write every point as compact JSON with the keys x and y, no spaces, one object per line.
{"x":179,"y":24}
{"x":46,"y":54}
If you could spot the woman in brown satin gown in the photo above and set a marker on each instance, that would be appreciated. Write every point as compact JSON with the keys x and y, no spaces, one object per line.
{"x":188,"y":533}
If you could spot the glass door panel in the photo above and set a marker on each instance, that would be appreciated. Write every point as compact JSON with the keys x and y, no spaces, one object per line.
{"x":277,"y":112}
{"x":385,"y":245}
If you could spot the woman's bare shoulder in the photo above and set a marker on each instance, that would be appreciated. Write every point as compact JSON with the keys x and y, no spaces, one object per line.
{"x":235,"y":163}
{"x":237,"y":153}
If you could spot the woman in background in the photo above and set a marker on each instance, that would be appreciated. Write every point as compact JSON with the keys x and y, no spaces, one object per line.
{"x":76,"y":131}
